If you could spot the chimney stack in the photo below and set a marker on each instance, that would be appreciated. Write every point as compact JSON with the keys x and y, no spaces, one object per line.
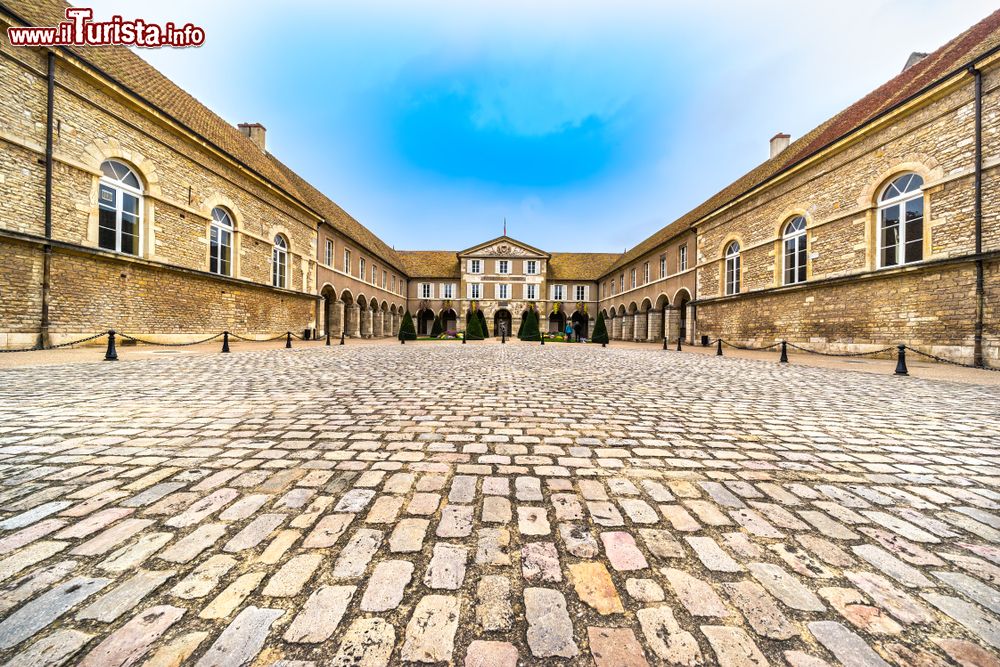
{"x":914,"y":58}
{"x":256,"y":132}
{"x":779,"y":142}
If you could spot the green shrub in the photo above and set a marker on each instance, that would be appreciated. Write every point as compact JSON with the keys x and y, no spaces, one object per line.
{"x":482,"y":322}
{"x":529,"y":326}
{"x":437,"y":329}
{"x":600,"y":334}
{"x":406,"y":329}
{"x":473,"y":330}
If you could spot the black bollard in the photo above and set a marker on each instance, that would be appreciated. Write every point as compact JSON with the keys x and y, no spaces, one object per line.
{"x":288,"y":340}
{"x":718,"y":349}
{"x":112,"y":353}
{"x":225,"y":341}
{"x":503,"y":338}
{"x":463,"y":338}
{"x":328,"y":336}
{"x":664,"y":342}
{"x":341,"y":337}
{"x":784,"y":352}
{"x":604,"y":344}
{"x":678,"y":344}
{"x":542,"y":338}
{"x":901,"y":360}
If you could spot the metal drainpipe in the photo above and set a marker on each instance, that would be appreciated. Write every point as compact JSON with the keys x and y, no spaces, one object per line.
{"x":47,"y":248}
{"x":978,"y":216}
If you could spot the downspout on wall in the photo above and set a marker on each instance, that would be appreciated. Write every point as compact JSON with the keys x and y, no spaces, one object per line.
{"x":977,"y":353}
{"x":47,"y":248}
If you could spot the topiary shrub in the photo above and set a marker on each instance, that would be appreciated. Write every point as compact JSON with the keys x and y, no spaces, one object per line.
{"x":529,"y":326}
{"x":520,"y":327}
{"x":600,"y":334}
{"x":437,"y":328}
{"x":482,"y":322}
{"x":473,"y":330}
{"x":406,"y":329}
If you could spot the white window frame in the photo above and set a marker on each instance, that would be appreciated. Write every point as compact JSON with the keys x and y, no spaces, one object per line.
{"x":475,"y":291}
{"x":347,"y":261}
{"x":901,"y":201}
{"x":121,"y":188}
{"x":426,"y":290}
{"x":581,"y":293}
{"x":279,"y":262}
{"x":361,"y":269}
{"x":558,"y":292}
{"x":645,"y":273}
{"x":632,"y":278}
{"x":682,"y":258}
{"x":503,"y":291}
{"x":663,"y":265}
{"x":448,"y":291}
{"x":800,"y":256}
{"x":393,"y":283}
{"x":734,"y":264}
{"x":328,"y":254}
{"x":222,"y":226}
{"x":621,"y":283}
{"x":531,"y":267}
{"x":503,"y":267}
{"x":475,"y":266}
{"x":385,"y":279}
{"x":531,"y":292}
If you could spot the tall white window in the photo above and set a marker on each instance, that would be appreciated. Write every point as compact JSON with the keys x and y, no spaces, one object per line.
{"x":374,"y":275}
{"x":901,"y":221}
{"x":663,"y":266}
{"x":329,"y":253}
{"x":733,"y":268}
{"x":426,"y":291}
{"x":447,"y":291}
{"x":531,"y":267}
{"x":531,"y":292}
{"x":475,"y":266}
{"x":503,"y":266}
{"x":581,"y":293}
{"x":120,"y":208}
{"x":794,"y":251}
{"x":361,"y":268}
{"x":347,"y":262}
{"x":279,"y":262}
{"x":503,"y":291}
{"x":645,"y":273}
{"x":384,"y":279}
{"x":220,"y":243}
{"x":475,"y":291}
{"x":632,"y":278}
{"x":393,"y":283}
{"x":621,"y":283}
{"x":682,"y":258}
{"x":558,"y":292}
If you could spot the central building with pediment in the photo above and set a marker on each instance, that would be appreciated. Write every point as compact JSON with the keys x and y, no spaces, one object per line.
{"x":504,"y":277}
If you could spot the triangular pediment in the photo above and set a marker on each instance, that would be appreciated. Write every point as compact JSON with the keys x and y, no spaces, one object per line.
{"x":503,"y":246}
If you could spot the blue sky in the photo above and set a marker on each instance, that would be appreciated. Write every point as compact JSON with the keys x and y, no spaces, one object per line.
{"x":588,"y":125}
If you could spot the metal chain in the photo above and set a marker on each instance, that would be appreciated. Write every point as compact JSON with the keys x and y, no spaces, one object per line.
{"x":747,"y":348}
{"x":949,"y":361}
{"x":60,"y":345}
{"x":147,"y":342}
{"x":256,"y":340}
{"x":842,"y":354}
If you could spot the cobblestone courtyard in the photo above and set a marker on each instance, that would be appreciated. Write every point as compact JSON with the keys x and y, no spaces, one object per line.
{"x":495,"y":505}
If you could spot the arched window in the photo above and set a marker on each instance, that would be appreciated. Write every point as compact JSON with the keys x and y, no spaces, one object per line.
{"x":794,"y":242}
{"x":733,"y":268}
{"x":279,"y":262}
{"x":120,"y":208}
{"x":901,"y":221}
{"x":220,"y":241}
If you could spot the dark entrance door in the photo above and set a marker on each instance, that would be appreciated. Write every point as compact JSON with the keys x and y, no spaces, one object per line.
{"x":502,"y":318}
{"x":583,"y":320}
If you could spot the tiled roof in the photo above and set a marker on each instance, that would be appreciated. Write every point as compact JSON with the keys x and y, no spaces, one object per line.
{"x":580,"y":265}
{"x":960,"y":51}
{"x":430,"y":263}
{"x":340,"y":219}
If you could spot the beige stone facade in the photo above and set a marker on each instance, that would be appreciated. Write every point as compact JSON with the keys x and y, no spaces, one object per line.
{"x":803,"y":248}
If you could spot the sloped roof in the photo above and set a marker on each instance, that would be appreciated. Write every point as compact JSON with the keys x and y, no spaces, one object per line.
{"x":580,"y":265}
{"x":430,"y":263}
{"x":971,"y":44}
{"x":508,"y":239}
{"x":340,"y":219}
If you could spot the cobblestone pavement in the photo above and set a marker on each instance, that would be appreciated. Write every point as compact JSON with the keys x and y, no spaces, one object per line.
{"x":492,"y":506}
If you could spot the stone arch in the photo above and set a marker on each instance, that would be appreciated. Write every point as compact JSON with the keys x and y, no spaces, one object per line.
{"x":919,"y":163}
{"x":145,"y":170}
{"x":645,"y":305}
{"x":632,"y":308}
{"x":581,"y":323}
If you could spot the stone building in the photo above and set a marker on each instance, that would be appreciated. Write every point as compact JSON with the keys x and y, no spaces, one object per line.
{"x":132,"y":206}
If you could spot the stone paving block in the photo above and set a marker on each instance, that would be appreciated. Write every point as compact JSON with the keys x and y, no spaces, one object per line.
{"x":666,"y":639}
{"x":594,"y":586}
{"x":493,"y":604}
{"x":242,"y":639}
{"x":447,"y":567}
{"x":491,"y":654}
{"x":386,"y":585}
{"x":126,"y":596}
{"x":231,"y":597}
{"x":292,"y":576}
{"x":55,"y":649}
{"x":368,"y":642}
{"x":550,"y":631}
{"x":615,"y":647}
{"x":430,"y":634}
{"x":46,"y":608}
{"x":540,"y":562}
{"x":134,"y":639}
{"x":733,"y":647}
{"x":622,"y":552}
{"x":320,"y":615}
{"x":850,"y":649}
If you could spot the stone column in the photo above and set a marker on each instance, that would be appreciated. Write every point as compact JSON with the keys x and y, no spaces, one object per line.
{"x":639,"y":328}
{"x":337,"y":319}
{"x":366,"y":322}
{"x":354,"y":320}
{"x":628,"y":327}
{"x":377,"y":324}
{"x":654,"y":328}
{"x":673,"y":327}
{"x":691,"y":315}
{"x":616,"y":328}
